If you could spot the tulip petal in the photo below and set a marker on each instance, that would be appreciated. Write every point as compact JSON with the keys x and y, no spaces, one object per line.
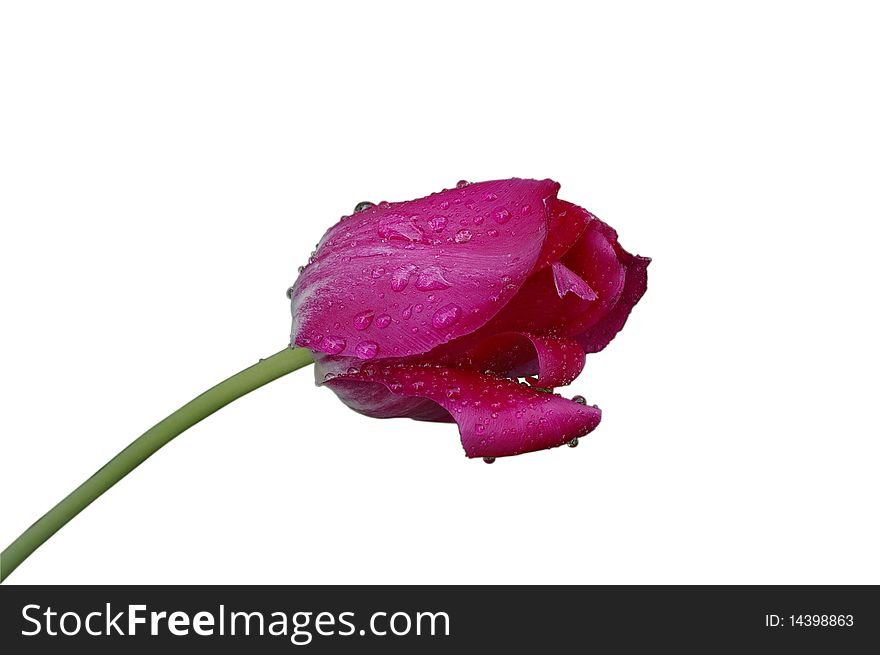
{"x":599,"y":335}
{"x":538,"y":309}
{"x":496,"y":417}
{"x":399,"y":279}
{"x":560,"y":361}
{"x":556,"y":360}
{"x":567,"y":224}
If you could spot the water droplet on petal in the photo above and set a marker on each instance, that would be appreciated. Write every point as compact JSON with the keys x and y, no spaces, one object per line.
{"x":400,"y":277}
{"x":444,"y":205}
{"x":362,"y":321}
{"x":492,"y":233}
{"x":438,"y":223}
{"x":432,"y":279}
{"x":525,"y":210}
{"x":289,"y":293}
{"x":446,"y":316}
{"x":490,"y":196}
{"x":400,"y":228}
{"x":489,"y":460}
{"x":361,"y":206}
{"x":378,"y":272}
{"x":383,"y":321}
{"x":461,"y":184}
{"x":501,"y":215}
{"x":333,"y":344}
{"x":580,"y":400}
{"x":366,"y":349}
{"x":573,"y":443}
{"x":463,"y":236}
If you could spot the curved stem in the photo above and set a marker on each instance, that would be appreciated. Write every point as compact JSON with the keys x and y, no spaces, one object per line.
{"x":267,"y":370}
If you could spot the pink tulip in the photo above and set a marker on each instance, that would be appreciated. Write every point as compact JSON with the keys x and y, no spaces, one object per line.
{"x":431,"y":309}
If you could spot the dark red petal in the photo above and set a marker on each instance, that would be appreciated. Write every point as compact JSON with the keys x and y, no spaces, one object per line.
{"x":496,"y":417}
{"x":599,"y":335}
{"x":560,"y":361}
{"x":556,"y":360}
{"x":537,"y":307}
{"x":567,"y":224}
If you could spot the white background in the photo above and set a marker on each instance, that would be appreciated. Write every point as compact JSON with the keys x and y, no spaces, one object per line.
{"x":166,"y":166}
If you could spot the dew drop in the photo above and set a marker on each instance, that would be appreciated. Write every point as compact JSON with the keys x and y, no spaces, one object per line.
{"x":438,"y":223}
{"x":366,"y":349}
{"x":501,"y":215}
{"x":333,"y":344}
{"x":525,"y":210}
{"x":400,"y":277}
{"x":463,"y":236}
{"x":377,"y":273}
{"x":446,"y":316}
{"x":444,"y":205}
{"x":490,"y":196}
{"x":580,"y":400}
{"x":362,"y":321}
{"x":383,"y":321}
{"x":573,"y":443}
{"x":431,"y":279}
{"x":492,"y":233}
{"x":289,"y":293}
{"x":461,"y":184}
{"x":489,"y":460}
{"x":361,"y":206}
{"x":399,"y":228}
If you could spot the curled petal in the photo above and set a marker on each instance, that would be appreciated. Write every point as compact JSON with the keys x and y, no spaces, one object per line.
{"x":560,"y":361}
{"x":567,"y":281}
{"x":557,"y":361}
{"x":399,"y":279}
{"x":496,"y":417}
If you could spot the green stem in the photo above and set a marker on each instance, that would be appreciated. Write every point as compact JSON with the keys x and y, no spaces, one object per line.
{"x":265,"y":371}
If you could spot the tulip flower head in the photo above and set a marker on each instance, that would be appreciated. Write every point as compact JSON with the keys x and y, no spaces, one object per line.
{"x":432,"y":309}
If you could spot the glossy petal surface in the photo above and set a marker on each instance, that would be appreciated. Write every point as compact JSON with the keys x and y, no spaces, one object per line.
{"x":398,"y":279}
